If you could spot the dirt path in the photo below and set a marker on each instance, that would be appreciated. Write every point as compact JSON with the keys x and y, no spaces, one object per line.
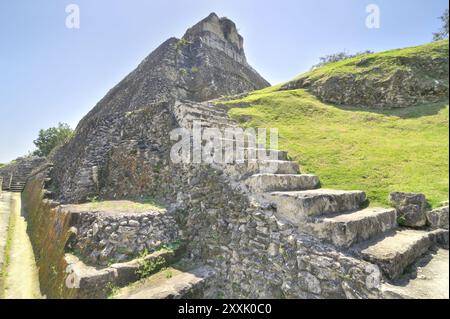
{"x":21,"y":276}
{"x":5,"y":203}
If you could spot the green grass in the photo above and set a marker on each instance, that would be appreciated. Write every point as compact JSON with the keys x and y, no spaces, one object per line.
{"x":349,"y":148}
{"x":380,"y":66}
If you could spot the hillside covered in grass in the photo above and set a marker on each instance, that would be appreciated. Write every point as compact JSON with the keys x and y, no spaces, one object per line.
{"x":395,"y":78}
{"x":354,"y":148}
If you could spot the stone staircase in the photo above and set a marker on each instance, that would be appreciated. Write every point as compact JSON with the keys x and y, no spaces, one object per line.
{"x":340,"y":218}
{"x":15,"y":180}
{"x":15,"y":183}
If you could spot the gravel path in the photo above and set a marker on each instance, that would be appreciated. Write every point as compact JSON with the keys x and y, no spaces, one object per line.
{"x":21,"y":280}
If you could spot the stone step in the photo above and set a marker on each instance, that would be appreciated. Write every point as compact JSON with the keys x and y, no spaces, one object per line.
{"x":189,"y":124}
{"x":297,"y":207}
{"x":246,"y":144}
{"x":261,"y":153}
{"x":347,"y":229}
{"x":209,"y":108}
{"x":261,"y":183}
{"x":202,"y":108}
{"x":96,"y":282}
{"x":170,"y":284}
{"x":206,"y":117}
{"x":253,"y":155}
{"x":267,"y":167}
{"x":428,"y":278}
{"x":221,"y":126}
{"x":396,"y":251}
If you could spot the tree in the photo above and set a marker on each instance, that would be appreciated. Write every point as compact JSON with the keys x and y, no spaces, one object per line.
{"x":336,"y":57}
{"x":443,"y":33}
{"x":52,"y":137}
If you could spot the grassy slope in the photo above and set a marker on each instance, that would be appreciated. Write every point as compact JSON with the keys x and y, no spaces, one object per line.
{"x":383,"y":64}
{"x":379,"y":152}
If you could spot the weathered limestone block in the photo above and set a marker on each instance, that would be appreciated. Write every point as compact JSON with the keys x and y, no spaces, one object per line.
{"x":411,"y":208}
{"x":438,"y":218}
{"x":85,"y":281}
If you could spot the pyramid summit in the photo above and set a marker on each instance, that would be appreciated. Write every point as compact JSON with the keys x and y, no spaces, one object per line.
{"x":219,"y":33}
{"x":207,"y":63}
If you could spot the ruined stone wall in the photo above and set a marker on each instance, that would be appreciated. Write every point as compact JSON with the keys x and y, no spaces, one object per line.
{"x":121,"y":151}
{"x":49,"y":232}
{"x":103,"y":238}
{"x":256,"y":254}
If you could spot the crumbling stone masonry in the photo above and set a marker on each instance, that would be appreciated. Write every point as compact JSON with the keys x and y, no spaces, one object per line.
{"x":254,"y":233}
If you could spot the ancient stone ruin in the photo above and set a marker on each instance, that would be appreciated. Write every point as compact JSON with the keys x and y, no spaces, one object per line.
{"x":112,"y":215}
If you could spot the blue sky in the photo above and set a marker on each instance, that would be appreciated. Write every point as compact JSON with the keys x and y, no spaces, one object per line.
{"x":49,"y":73}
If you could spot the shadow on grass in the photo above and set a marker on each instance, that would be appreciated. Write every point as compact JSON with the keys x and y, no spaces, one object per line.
{"x":410,"y":112}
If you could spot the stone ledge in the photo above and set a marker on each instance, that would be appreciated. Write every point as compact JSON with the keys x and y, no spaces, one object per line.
{"x":90,"y":282}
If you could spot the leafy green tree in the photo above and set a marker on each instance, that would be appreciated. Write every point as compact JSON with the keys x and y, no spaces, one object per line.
{"x":443,"y":33}
{"x":52,"y":137}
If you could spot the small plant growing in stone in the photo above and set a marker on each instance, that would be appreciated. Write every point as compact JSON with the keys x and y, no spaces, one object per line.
{"x":112,"y":290}
{"x":169,"y":274}
{"x":183,"y":72}
{"x":401,"y":220}
{"x":93,"y":199}
{"x":181,"y":43}
{"x":149,"y":267}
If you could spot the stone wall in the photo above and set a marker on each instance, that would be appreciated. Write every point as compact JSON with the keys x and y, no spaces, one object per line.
{"x":256,"y":255}
{"x":107,"y":237}
{"x":121,"y":151}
